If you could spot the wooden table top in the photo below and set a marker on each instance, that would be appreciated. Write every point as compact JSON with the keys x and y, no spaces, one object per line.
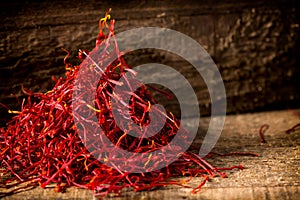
{"x":275,"y":174}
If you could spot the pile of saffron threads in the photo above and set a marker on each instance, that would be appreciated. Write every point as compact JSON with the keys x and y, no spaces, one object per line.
{"x":41,"y":145}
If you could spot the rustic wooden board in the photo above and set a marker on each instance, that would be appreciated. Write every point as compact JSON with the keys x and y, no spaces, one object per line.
{"x":255,"y":44}
{"x":275,"y":174}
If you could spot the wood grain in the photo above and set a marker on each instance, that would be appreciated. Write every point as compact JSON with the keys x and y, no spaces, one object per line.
{"x":255,"y":44}
{"x":275,"y":174}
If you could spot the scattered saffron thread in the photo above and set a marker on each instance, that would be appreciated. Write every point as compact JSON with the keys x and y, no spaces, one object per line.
{"x":262,"y":131}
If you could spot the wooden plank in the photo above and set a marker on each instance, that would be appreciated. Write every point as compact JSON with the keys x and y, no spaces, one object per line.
{"x":275,"y":174}
{"x":250,"y":42}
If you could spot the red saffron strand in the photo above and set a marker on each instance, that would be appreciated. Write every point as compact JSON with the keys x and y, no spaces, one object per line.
{"x":293,"y":129}
{"x":262,"y":130}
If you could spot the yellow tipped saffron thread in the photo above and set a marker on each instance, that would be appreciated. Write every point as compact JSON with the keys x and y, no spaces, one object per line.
{"x":4,"y":150}
{"x":119,"y":140}
{"x":50,"y":91}
{"x":149,"y":157}
{"x":85,"y":165}
{"x":94,"y":109}
{"x":103,"y":21}
{"x":14,"y":112}
{"x":149,"y":106}
{"x":174,"y":120}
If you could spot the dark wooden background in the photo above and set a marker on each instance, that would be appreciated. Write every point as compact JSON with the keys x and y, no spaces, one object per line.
{"x":254,"y":43}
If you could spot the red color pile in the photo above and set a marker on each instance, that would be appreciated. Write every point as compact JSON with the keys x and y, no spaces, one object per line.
{"x":41,"y":145}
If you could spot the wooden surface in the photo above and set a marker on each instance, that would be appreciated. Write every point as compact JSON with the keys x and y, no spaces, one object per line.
{"x":255,"y":44}
{"x":275,"y":174}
